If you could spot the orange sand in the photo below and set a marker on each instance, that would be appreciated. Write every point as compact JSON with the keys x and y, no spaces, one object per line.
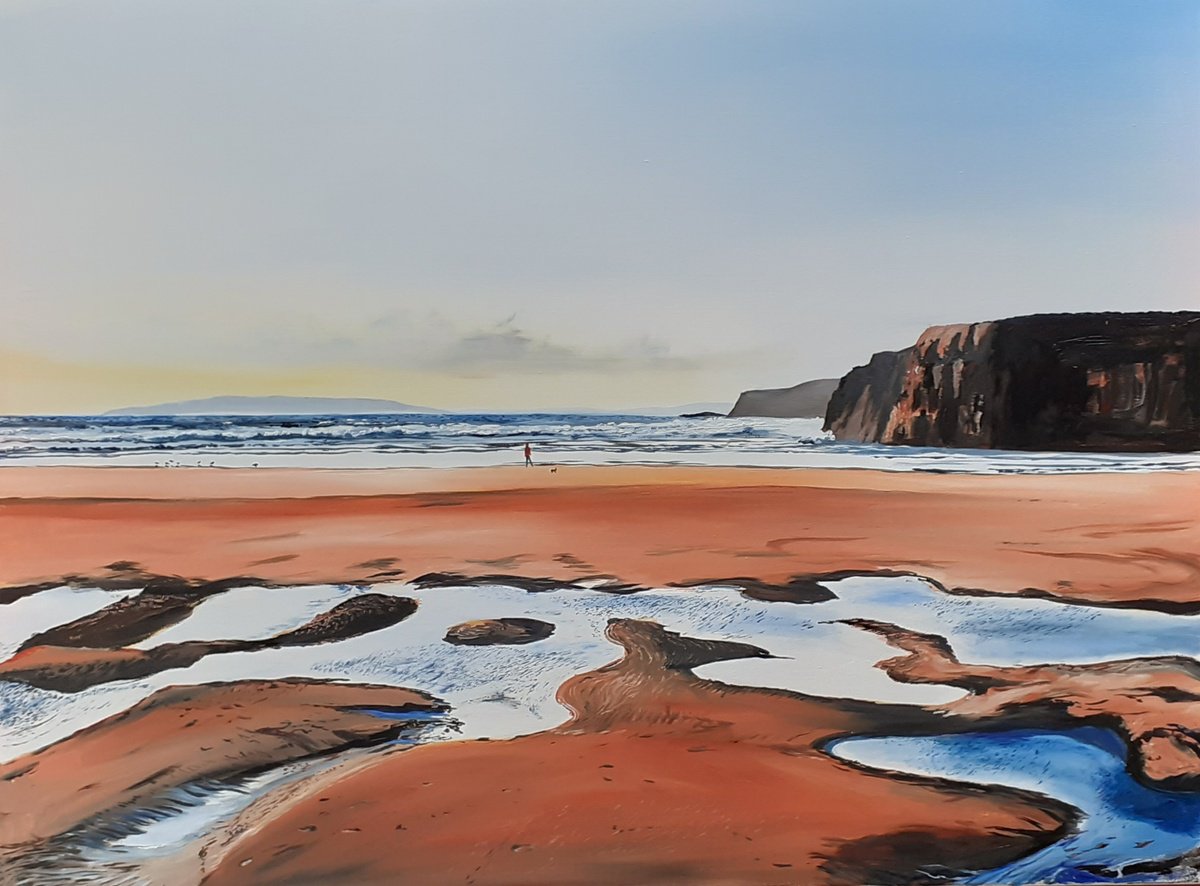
{"x":660,"y":777}
{"x":183,"y":734}
{"x":1104,"y":537}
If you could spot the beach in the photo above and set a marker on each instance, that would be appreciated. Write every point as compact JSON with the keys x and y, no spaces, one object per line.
{"x":599,"y":444}
{"x":1113,"y":539}
{"x":651,"y":769}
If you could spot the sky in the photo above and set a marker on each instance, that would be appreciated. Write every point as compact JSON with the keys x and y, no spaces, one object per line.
{"x":528,"y":204}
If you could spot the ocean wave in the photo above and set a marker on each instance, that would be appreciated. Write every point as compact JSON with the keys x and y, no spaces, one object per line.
{"x":483,"y":439}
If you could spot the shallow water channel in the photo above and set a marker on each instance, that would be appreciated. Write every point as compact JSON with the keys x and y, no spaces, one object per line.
{"x":503,"y":691}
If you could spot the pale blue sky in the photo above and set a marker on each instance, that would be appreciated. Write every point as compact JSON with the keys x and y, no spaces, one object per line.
{"x":535,"y":204}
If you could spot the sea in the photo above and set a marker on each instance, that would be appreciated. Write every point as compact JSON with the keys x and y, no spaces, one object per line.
{"x":476,"y":440}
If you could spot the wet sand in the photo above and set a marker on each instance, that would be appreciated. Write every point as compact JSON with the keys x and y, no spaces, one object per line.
{"x":659,"y":777}
{"x":186,"y":734}
{"x":1114,"y":539}
{"x":1153,"y":703}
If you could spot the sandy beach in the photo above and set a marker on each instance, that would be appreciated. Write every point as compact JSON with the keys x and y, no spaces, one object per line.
{"x":1115,"y":539}
{"x":599,"y":443}
{"x":658,"y":777}
{"x":658,"y":774}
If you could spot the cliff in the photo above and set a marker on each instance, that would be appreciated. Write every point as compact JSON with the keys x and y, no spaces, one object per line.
{"x":1108,"y":381}
{"x":805,"y":400}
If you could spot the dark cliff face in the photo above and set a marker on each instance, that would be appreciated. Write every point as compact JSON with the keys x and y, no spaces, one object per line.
{"x":1103,"y":381}
{"x":1114,"y":381}
{"x":860,"y":407}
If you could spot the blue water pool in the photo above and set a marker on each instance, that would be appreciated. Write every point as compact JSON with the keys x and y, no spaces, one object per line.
{"x":1124,"y":824}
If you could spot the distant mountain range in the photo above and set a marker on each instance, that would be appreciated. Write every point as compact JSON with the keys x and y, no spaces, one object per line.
{"x":274,"y":406}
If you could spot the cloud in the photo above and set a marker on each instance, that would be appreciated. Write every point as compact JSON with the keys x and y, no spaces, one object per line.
{"x":507,"y":348}
{"x":430,"y":342}
{"x":510,"y":348}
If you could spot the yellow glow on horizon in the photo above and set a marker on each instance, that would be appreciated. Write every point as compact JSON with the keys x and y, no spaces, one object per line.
{"x":33,"y":385}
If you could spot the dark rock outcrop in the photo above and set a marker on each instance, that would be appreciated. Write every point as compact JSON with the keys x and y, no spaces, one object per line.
{"x":1108,"y":382}
{"x":499,"y":631}
{"x":164,"y":601}
{"x":805,"y":400}
{"x":350,"y":618}
{"x":74,"y":668}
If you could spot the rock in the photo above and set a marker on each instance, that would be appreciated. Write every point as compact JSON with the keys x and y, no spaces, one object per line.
{"x":805,"y":400}
{"x":165,"y":601}
{"x":1107,"y":382}
{"x":350,"y":618}
{"x":499,"y":632}
{"x":67,"y":667}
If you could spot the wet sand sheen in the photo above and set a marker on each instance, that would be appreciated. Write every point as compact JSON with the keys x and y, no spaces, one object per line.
{"x":676,"y":655}
{"x":183,"y":734}
{"x":653,"y":746}
{"x":1130,"y":830}
{"x":657,"y":777}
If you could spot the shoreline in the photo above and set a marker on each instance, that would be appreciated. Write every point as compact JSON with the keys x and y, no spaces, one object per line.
{"x":17,"y":482}
{"x":1114,"y":539}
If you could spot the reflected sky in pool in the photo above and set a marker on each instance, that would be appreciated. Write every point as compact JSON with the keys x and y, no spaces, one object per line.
{"x":1125,"y":823}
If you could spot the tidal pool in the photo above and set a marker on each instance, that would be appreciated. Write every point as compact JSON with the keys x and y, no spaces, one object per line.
{"x":1126,"y":829}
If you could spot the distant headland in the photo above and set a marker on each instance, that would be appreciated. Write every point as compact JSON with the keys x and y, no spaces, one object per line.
{"x":279,"y":405}
{"x":283,"y":405}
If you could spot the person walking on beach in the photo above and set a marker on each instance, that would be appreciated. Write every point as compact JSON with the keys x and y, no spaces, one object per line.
{"x":528,"y":456}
